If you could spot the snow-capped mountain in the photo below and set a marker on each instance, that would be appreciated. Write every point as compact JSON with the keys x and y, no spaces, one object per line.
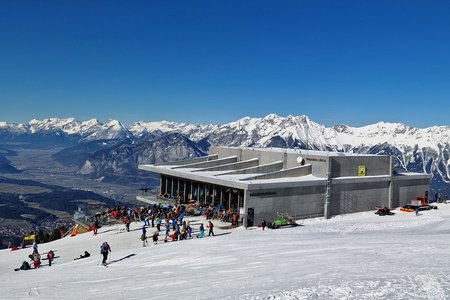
{"x":193,"y":131}
{"x":418,"y":150}
{"x":414,"y":149}
{"x":71,"y":128}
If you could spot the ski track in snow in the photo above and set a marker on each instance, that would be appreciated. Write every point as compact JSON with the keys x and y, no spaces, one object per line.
{"x":355,"y":256}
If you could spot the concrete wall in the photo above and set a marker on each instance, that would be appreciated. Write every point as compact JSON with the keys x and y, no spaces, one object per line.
{"x":190,"y":160}
{"x":302,"y":202}
{"x":210,"y":163}
{"x":277,"y":166}
{"x":358,"y":197}
{"x":226,"y":152}
{"x":265,"y":157}
{"x":407,"y":190}
{"x":294,"y":172}
{"x":319,"y":162}
{"x":348,"y":166}
{"x":233,"y":166}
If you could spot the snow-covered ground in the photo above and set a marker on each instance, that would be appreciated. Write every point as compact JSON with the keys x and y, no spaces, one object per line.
{"x":357,"y":256}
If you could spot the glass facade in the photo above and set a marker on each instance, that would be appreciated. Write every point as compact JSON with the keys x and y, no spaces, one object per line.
{"x":215,"y":195}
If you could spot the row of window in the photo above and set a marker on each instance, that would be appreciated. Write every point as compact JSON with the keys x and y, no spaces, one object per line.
{"x":185,"y":190}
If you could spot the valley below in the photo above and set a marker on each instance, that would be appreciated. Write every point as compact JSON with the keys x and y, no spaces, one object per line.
{"x":45,"y":195}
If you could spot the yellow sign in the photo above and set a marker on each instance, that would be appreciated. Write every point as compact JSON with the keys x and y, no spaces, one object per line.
{"x":30,"y":237}
{"x":361,"y":170}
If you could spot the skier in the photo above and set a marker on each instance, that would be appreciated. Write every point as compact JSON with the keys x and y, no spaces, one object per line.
{"x":211,"y":226}
{"x":36,"y":259}
{"x":50,"y":257}
{"x":96,"y":224}
{"x":144,"y":236}
{"x":104,"y":249}
{"x":35,"y":246}
{"x":235,"y":220}
{"x":25,"y":266}
{"x":263,"y":224}
{"x":158,"y":224}
{"x":202,"y":231}
{"x":189,"y":232}
{"x":155,"y":237}
{"x":86,"y":254}
{"x":127,"y":223}
{"x":417,"y":211}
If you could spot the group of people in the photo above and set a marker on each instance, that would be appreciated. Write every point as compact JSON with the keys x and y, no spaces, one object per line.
{"x":35,"y":257}
{"x":170,"y":219}
{"x":176,"y":228}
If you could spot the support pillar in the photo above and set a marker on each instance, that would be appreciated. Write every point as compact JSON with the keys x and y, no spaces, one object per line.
{"x":326,"y":205}
{"x":184,"y":191}
{"x":391,"y":183}
{"x":167,"y":183}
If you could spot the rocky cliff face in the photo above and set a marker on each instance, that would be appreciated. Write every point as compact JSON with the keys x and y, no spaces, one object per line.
{"x":121,"y":161}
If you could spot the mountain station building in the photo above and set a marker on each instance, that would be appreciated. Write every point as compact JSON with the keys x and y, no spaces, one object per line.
{"x":259,"y":183}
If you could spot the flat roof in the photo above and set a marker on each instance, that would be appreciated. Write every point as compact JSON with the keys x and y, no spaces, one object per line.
{"x":301,"y":151}
{"x":229,"y":171}
{"x":234,"y":180}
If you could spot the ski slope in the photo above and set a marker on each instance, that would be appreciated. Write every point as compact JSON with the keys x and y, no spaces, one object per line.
{"x":355,"y":256}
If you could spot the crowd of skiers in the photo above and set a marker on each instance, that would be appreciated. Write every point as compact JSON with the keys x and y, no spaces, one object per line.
{"x":155,"y":215}
{"x":169,"y":222}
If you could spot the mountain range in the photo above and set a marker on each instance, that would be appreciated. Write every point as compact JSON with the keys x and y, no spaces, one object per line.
{"x":103,"y":149}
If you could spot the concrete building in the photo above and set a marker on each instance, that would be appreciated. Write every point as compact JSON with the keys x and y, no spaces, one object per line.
{"x":260,"y":182}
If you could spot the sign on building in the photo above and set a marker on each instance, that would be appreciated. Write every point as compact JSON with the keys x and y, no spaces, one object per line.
{"x":361,"y":170}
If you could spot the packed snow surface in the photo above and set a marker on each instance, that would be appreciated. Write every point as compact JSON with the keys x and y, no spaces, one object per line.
{"x":355,"y":256}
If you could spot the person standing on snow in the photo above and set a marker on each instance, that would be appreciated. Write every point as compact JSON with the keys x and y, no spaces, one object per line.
{"x":127,"y":223}
{"x":263,"y":224}
{"x":36,"y":259}
{"x":105,"y":249}
{"x":96,"y":225}
{"x":210,"y":226}
{"x":144,"y":236}
{"x":50,"y":257}
{"x":202,"y":231}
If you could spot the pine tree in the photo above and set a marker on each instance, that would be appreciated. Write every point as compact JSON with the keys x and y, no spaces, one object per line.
{"x":40,"y":236}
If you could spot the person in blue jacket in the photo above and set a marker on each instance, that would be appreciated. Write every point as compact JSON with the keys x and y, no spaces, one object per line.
{"x":105,"y":249}
{"x":202,"y":231}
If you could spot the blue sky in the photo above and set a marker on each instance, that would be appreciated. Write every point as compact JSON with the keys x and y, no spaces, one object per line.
{"x":352,"y":62}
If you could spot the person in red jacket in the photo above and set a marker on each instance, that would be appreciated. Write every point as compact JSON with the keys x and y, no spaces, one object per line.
{"x":211,"y":226}
{"x":36,"y":259}
{"x":50,"y":257}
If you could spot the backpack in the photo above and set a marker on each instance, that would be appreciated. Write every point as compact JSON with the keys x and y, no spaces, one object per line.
{"x":104,"y":248}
